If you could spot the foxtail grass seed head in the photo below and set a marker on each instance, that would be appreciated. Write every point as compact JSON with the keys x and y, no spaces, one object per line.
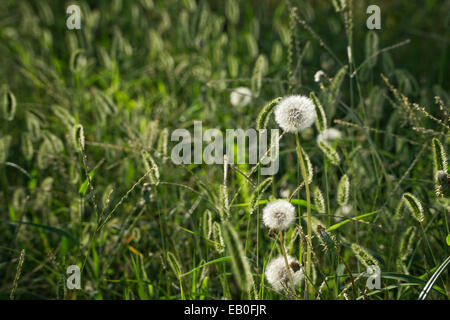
{"x":224,"y":203}
{"x":329,"y":152}
{"x":259,"y":70}
{"x":8,"y":104}
{"x":319,"y":201}
{"x":78,"y":136}
{"x":399,"y":209}
{"x":343,"y":190}
{"x":439,"y":156}
{"x":64,"y":115}
{"x":337,"y":81}
{"x":295,"y":113}
{"x":241,"y":97}
{"x":207,"y":224}
{"x":151,"y":167}
{"x":279,"y":215}
{"x":321,"y":119}
{"x":174,"y":264}
{"x":414,"y":206}
{"x":219,"y":244}
{"x":264,"y":114}
{"x":78,"y":61}
{"x":363,"y":256}
{"x":162,"y":143}
{"x":20,"y":199}
{"x":309,"y":166}
{"x":277,"y":273}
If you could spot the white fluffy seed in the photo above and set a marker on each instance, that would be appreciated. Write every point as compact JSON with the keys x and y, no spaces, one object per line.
{"x":295,"y":113}
{"x":279,"y":215}
{"x":241,"y":97}
{"x":277,"y":275}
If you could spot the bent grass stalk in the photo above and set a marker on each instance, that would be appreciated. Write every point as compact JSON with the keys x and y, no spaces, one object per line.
{"x":102,"y":223}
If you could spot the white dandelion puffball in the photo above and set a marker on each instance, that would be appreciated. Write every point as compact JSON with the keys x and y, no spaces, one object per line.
{"x":279,"y":215}
{"x":241,"y":97}
{"x":329,"y":134}
{"x":295,"y":113}
{"x":277,"y":275}
{"x":344,"y":211}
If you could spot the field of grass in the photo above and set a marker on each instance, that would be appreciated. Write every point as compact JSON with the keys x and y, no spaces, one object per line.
{"x":87,"y":178}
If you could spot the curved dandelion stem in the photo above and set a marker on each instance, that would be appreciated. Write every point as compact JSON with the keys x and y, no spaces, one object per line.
{"x":288,"y":268}
{"x":308,"y":210}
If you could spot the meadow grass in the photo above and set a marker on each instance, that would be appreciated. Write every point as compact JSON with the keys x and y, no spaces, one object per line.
{"x":87,"y":177}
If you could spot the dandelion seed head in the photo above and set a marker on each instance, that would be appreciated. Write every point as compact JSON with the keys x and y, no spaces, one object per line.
{"x":277,"y":273}
{"x":295,"y":113}
{"x":279,"y":215}
{"x":329,"y":135}
{"x":344,"y":210}
{"x":241,"y":97}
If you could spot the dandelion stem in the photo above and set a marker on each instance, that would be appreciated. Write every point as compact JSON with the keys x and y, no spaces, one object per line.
{"x":308,"y":211}
{"x":288,"y":268}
